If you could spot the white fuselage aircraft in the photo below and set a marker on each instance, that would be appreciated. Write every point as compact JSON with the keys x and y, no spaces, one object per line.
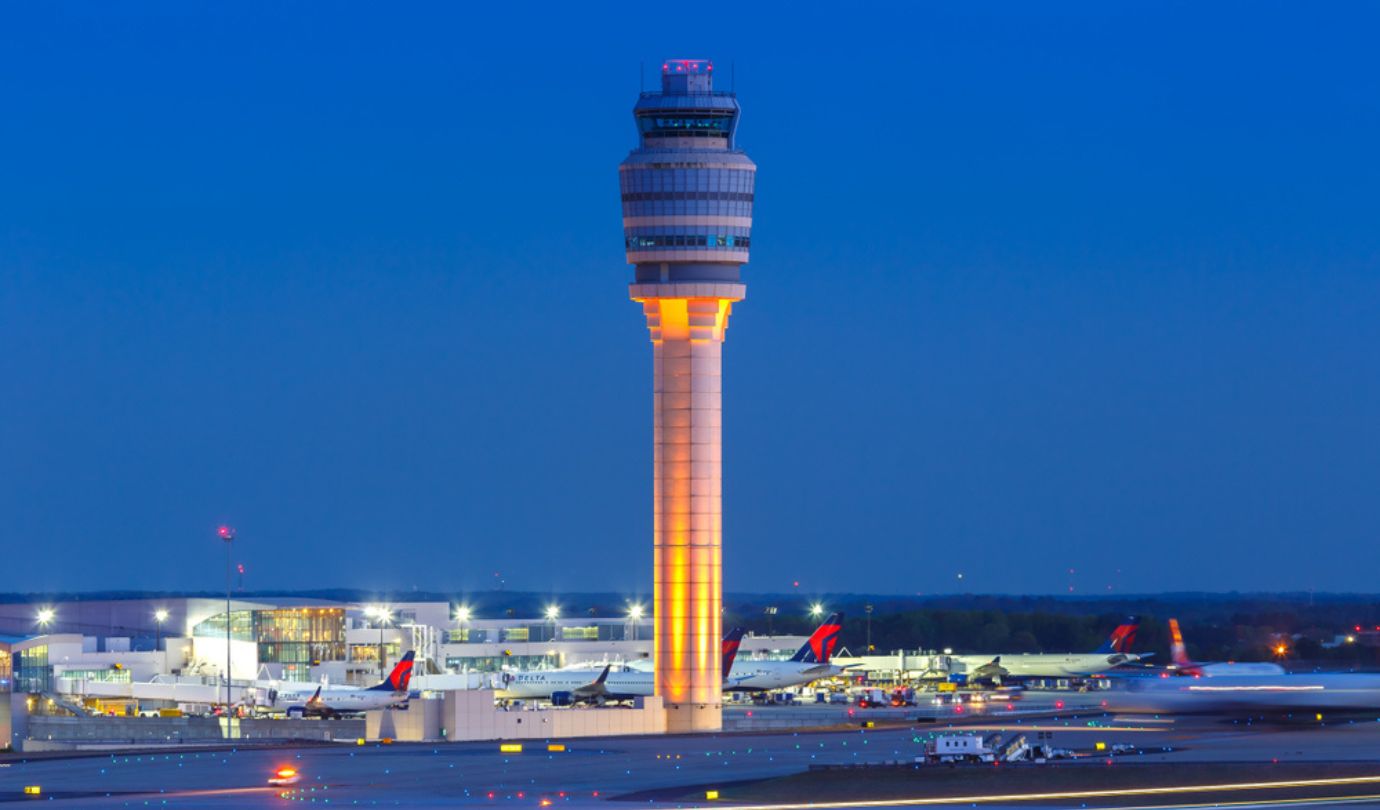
{"x":809,"y":664}
{"x":305,"y":700}
{"x":1113,"y":653}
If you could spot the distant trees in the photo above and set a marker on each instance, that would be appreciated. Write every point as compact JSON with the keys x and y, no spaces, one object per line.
{"x":1216,"y":627}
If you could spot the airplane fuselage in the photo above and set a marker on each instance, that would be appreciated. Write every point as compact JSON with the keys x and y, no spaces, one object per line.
{"x":758,"y":676}
{"x":543,"y":684}
{"x":334,"y":700}
{"x":1042,"y":665}
{"x":745,"y":676}
{"x":1248,"y":693}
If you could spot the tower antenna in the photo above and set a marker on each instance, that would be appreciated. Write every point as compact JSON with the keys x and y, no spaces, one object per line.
{"x":641,"y":77}
{"x":733,"y":77}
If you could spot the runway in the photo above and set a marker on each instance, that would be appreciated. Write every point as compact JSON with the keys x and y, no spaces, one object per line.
{"x":678,"y":770}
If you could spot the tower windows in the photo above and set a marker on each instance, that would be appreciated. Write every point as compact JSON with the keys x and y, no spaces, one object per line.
{"x":679,"y":240}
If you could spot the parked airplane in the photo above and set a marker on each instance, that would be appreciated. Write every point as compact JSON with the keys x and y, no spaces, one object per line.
{"x":1180,"y":663}
{"x":1114,"y":652}
{"x":638,"y":682}
{"x":329,"y":701}
{"x":810,"y":663}
{"x":579,"y":684}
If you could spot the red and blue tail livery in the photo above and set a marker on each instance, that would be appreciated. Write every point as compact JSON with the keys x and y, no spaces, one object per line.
{"x":1122,"y":639}
{"x":400,"y":677}
{"x":821,"y":644}
{"x":730,"y":648}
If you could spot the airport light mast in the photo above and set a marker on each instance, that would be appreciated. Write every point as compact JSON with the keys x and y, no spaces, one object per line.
{"x":687,"y":195}
{"x":228,"y":535}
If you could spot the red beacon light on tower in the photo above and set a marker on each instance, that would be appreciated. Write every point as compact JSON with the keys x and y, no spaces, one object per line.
{"x":226,"y":533}
{"x":692,"y":66}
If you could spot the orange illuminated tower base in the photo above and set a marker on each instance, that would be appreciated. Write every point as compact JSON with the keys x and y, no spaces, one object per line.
{"x":687,"y":323}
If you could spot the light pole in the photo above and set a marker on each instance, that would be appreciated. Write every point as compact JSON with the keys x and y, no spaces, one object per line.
{"x":381,"y":615}
{"x":553,"y":612}
{"x":868,"y":610}
{"x":160,"y":615}
{"x":45,"y":617}
{"x":228,"y":535}
{"x":635,"y":614}
{"x":462,"y":617}
{"x":816,"y":610}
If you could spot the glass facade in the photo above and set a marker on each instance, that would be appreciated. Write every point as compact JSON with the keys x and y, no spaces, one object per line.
{"x":538,"y":631}
{"x":103,"y":675}
{"x":496,"y":663}
{"x":241,"y":626}
{"x":6,"y":670}
{"x":297,"y":638}
{"x":31,"y":670}
{"x":370,"y":652}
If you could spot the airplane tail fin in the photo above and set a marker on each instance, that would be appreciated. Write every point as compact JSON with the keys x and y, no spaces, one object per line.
{"x":730,"y":648}
{"x":603,"y":676}
{"x":1178,"y":653}
{"x":400,"y":677}
{"x":1122,"y":638}
{"x":822,"y":643}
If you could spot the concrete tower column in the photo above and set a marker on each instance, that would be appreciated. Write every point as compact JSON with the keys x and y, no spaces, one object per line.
{"x":687,"y":389}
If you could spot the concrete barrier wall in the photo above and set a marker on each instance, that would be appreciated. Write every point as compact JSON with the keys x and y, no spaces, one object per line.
{"x":421,"y":720}
{"x":345,"y":728}
{"x":470,"y":715}
{"x":83,"y":732}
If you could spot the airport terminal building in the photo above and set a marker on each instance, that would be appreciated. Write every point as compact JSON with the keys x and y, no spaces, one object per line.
{"x":54,"y":648}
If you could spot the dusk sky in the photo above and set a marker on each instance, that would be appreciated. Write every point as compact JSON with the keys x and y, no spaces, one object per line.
{"x":1092,"y":288}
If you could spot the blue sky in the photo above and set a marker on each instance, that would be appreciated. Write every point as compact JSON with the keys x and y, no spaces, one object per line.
{"x":1085,"y":286}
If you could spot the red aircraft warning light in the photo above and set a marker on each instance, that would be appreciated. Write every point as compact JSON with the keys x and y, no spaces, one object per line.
{"x":688,"y":66}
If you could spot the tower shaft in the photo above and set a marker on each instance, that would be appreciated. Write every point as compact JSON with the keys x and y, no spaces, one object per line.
{"x":687,"y":338}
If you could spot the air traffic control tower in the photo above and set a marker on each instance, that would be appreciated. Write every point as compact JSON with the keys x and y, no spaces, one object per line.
{"x":687,"y":221}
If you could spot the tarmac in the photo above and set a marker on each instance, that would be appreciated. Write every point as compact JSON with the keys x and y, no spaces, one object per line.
{"x":675,"y":771}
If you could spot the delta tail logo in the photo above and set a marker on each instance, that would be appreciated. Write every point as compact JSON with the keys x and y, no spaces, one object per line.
{"x":401,"y":675}
{"x":730,"y":648}
{"x":1123,"y":638}
{"x":821,"y":645}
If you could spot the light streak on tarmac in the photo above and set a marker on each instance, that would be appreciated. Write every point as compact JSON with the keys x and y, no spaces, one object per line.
{"x":1074,"y":795}
{"x":1330,"y":801}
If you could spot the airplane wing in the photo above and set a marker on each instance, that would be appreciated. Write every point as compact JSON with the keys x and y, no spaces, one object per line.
{"x":595,"y":688}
